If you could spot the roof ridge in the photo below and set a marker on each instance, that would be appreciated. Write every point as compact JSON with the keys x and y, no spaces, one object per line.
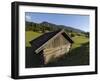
{"x":46,"y":33}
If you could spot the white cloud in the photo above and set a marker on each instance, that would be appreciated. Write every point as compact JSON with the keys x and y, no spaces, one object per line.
{"x":28,"y":18}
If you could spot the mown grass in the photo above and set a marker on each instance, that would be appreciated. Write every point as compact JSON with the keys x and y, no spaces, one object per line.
{"x":78,"y":55}
{"x":79,"y":40}
{"x":30,"y":35}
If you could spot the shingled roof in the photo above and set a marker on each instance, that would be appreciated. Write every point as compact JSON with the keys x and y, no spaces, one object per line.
{"x":41,"y":40}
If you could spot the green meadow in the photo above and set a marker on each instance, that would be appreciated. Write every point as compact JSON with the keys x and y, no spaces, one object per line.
{"x":78,"y":55}
{"x":78,"y":41}
{"x":30,"y":35}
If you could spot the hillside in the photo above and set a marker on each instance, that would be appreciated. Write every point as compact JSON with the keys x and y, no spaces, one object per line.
{"x":50,"y":27}
{"x":62,"y":26}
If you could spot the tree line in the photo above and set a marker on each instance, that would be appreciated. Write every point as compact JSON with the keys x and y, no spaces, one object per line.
{"x":31,"y":26}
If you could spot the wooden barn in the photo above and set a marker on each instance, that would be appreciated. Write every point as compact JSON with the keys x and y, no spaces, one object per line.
{"x":51,"y":45}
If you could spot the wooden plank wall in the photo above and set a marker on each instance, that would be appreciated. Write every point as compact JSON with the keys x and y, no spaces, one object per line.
{"x":56,"y":48}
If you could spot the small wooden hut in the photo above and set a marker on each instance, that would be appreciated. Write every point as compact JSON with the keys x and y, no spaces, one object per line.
{"x":51,"y":45}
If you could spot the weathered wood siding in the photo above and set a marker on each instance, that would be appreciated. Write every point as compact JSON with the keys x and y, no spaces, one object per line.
{"x":56,"y":48}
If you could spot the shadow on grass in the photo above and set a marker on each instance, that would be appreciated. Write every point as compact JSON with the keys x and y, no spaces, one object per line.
{"x":77,"y":56}
{"x":32,"y":59}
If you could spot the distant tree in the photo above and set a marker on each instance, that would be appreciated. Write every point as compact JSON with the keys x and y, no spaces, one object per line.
{"x":72,"y":35}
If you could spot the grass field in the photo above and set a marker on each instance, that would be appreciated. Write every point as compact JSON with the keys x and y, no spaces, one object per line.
{"x":78,"y":41}
{"x":78,"y":55}
{"x":30,"y":35}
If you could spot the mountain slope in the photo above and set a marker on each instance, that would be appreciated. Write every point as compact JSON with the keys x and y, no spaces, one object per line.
{"x":53,"y":26}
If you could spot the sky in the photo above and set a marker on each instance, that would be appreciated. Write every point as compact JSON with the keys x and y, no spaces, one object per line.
{"x":76,"y":21}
